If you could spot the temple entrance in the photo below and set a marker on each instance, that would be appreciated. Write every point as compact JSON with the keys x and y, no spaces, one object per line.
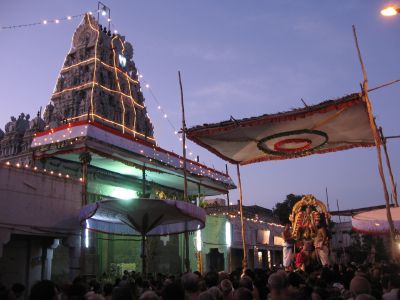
{"x":215,"y":260}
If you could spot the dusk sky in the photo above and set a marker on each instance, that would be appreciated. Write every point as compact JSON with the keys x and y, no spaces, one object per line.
{"x":237,"y":58}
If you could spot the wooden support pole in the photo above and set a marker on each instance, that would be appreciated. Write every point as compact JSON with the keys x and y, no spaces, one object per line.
{"x":244,"y":261}
{"x":378,"y":141}
{"x":341,"y":231}
{"x":144,"y":256}
{"x":85,"y":159}
{"x":327,"y":199}
{"x":185,"y":189}
{"x":389,"y":166}
{"x":227,"y":193}
{"x":144,"y":181}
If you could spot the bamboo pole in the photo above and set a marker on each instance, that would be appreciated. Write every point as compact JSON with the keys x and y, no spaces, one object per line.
{"x":144,"y":181}
{"x":384,"y":85}
{"x":327,"y":199}
{"x":185,"y":192}
{"x":389,"y":166}
{"x":244,"y":261}
{"x":227,"y":193}
{"x":377,"y":140}
{"x":341,"y":231}
{"x":85,"y":158}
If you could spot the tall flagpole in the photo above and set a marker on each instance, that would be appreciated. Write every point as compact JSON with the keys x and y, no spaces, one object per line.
{"x":378,"y":141}
{"x":244,"y":261}
{"x":185,"y":192}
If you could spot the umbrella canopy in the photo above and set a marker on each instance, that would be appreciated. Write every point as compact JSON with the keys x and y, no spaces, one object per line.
{"x":375,"y":221}
{"x":329,"y":126}
{"x":142,"y":217}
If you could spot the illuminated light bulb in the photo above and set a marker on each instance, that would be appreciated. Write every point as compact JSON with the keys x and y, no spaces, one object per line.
{"x":389,"y":11}
{"x":116,"y":31}
{"x":57,"y":21}
{"x":35,"y":168}
{"x":44,"y":170}
{"x":147,"y":85}
{"x":69,"y":18}
{"x":26,"y":166}
{"x":59,"y":174}
{"x":175,"y":132}
{"x":67,"y":176}
{"x":51,"y":172}
{"x":180,"y":139}
{"x":103,"y":13}
{"x":165,"y":115}
{"x":190,"y":153}
{"x":90,"y":13}
{"x":80,"y":179}
{"x":44,"y":22}
{"x":159,"y":107}
{"x":140,"y":76}
{"x":109,"y":20}
{"x":18,"y":165}
{"x":8,"y":163}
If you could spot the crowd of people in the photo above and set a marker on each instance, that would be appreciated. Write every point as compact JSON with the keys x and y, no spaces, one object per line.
{"x":364,"y":282}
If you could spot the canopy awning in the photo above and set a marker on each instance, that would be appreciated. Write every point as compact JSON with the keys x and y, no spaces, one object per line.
{"x":332,"y":125}
{"x":375,"y":221}
{"x":142,"y":217}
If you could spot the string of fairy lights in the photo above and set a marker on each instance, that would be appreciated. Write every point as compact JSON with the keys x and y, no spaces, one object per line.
{"x":43,"y":22}
{"x":102,"y":13}
{"x":40,"y":170}
{"x":164,"y":114}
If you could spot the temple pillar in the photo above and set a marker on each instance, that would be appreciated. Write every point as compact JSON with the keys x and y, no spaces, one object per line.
{"x":5,"y":235}
{"x":48,"y":252}
{"x":73,"y":243}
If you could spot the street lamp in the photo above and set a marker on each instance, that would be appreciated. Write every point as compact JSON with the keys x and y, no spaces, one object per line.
{"x":390,"y":11}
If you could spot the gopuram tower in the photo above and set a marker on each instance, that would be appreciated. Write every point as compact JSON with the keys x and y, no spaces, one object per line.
{"x":93,"y":142}
{"x":99,"y":82}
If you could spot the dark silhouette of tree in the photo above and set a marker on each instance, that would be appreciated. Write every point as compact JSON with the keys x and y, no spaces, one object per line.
{"x":282,"y":210}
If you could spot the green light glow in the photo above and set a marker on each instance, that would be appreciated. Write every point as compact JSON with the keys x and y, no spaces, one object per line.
{"x":122,"y":193}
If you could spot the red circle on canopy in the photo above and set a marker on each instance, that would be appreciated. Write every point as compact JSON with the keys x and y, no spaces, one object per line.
{"x":305,"y":145}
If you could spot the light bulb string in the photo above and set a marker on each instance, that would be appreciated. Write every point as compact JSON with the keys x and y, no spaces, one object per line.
{"x":44,"y":22}
{"x":163,"y":112}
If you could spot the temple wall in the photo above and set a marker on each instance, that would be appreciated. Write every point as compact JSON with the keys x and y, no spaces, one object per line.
{"x":30,"y":198}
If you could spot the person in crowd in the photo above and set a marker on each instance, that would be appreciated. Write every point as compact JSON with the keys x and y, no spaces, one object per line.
{"x":149,"y":295}
{"x":107,"y":291}
{"x":190,"y":283}
{"x":277,"y":287}
{"x":17,"y":291}
{"x":287,"y":247}
{"x":44,"y":290}
{"x":227,"y":289}
{"x":393,"y":292}
{"x":173,"y":291}
{"x":321,"y":245}
{"x":243,"y":294}
{"x":359,"y":285}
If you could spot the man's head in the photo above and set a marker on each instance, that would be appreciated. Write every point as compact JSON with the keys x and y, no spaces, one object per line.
{"x":359,"y":285}
{"x":190,"y":282}
{"x":276,"y":282}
